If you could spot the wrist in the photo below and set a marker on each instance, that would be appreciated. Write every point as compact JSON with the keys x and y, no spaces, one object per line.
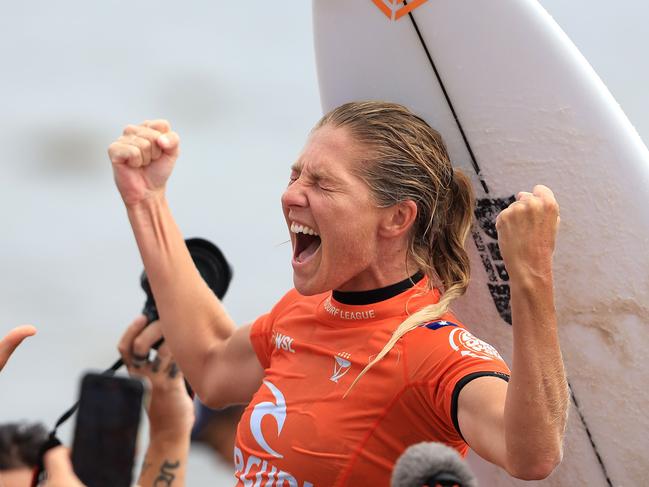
{"x":169,"y":438}
{"x":529,"y":277}
{"x":153,"y":200}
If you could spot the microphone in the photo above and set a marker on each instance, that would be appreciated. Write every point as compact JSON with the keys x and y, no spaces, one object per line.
{"x":432,"y":465}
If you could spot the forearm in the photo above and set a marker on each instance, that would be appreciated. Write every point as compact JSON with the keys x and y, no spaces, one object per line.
{"x":165,"y":463}
{"x":537,"y":396}
{"x":193,"y":320}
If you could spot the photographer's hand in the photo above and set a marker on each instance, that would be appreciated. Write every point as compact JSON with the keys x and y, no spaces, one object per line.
{"x":171,"y":412}
{"x":11,"y":341}
{"x":59,"y":469}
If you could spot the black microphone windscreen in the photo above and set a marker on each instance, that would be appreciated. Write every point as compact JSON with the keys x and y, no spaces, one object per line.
{"x":425,"y":461}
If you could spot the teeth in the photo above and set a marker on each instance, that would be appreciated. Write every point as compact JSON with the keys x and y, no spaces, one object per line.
{"x":297,"y":228}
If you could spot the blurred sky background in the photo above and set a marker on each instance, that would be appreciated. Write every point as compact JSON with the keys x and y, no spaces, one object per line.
{"x":238,"y":82}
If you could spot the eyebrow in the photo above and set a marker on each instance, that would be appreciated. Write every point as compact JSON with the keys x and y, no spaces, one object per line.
{"x":316,"y":175}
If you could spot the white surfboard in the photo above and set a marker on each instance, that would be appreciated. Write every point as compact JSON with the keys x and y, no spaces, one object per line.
{"x":518,"y":105}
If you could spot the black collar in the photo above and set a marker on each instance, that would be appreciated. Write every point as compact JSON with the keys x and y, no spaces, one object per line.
{"x":376,"y":295}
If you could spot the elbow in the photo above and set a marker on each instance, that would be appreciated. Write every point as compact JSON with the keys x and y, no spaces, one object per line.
{"x":216,"y":394}
{"x":210,"y":398}
{"x":537,"y":468}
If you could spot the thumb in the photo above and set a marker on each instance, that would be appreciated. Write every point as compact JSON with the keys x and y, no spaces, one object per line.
{"x":169,"y":143}
{"x":59,"y":466}
{"x":11,"y":341}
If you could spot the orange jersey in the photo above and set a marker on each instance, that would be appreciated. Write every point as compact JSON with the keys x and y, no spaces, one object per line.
{"x":299,"y":431}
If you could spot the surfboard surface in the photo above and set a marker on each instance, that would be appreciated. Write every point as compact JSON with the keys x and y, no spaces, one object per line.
{"x":518,"y":105}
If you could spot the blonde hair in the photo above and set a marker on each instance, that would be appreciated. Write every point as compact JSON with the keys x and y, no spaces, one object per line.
{"x":407,"y":160}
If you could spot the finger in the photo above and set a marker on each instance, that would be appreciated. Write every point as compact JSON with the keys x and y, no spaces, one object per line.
{"x":150,"y":134}
{"x":547,"y":198}
{"x":524,"y":195}
{"x":125,"y":345}
{"x":164,"y":352}
{"x":130,"y":129}
{"x":499,"y":220}
{"x":156,"y":364}
{"x":163,"y":359}
{"x":172,"y":370}
{"x":160,"y":124}
{"x":543,"y":192}
{"x":145,"y":147}
{"x":144,"y":341}
{"x":58,"y":465}
{"x":169,"y":143}
{"x":11,"y":341}
{"x":122,"y":152}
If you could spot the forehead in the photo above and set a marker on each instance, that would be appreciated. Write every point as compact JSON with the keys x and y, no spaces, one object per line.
{"x":329,"y":153}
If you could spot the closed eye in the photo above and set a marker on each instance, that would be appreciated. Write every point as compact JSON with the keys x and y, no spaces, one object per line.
{"x":293,"y":177}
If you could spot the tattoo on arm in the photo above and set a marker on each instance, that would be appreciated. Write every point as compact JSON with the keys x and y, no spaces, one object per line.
{"x":166,"y":475}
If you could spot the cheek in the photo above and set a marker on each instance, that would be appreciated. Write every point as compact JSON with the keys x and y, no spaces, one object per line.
{"x":351,"y":244}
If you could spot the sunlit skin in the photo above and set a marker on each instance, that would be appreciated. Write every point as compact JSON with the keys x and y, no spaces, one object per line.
{"x":363,"y":246}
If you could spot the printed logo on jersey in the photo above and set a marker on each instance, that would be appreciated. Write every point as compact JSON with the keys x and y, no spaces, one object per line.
{"x":254,"y":471}
{"x":436,"y":325}
{"x":283,"y":342}
{"x":341,"y":366}
{"x":468,"y":345}
{"x":343,"y":314}
{"x":277,"y":410}
{"x":395,"y":9}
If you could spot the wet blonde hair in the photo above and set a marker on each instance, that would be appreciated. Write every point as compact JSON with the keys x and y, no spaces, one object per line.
{"x":405,"y":159}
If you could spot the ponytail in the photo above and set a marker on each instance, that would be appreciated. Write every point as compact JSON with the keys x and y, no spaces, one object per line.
{"x":405,"y":159}
{"x":447,"y":263}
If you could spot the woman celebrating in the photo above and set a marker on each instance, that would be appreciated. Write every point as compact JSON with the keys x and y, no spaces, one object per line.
{"x":363,"y":358}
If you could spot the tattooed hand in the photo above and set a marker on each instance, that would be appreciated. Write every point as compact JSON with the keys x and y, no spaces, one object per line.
{"x":171,"y":410}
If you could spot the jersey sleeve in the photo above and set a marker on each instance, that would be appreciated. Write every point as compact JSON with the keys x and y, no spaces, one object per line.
{"x":459,"y":357}
{"x":261,"y":337}
{"x":262,"y":330}
{"x":467,"y":358}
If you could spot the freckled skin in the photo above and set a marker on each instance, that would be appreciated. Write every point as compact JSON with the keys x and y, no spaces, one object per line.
{"x":325,"y":195}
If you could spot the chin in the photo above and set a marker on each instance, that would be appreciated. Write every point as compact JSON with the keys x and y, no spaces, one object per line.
{"x":308,"y":289}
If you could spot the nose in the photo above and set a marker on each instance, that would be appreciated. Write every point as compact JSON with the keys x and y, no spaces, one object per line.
{"x":294,"y":195}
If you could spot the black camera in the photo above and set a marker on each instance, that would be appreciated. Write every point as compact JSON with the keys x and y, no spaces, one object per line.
{"x":211,"y":265}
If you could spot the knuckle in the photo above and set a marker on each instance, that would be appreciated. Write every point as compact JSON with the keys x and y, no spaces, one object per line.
{"x":140,"y":346}
{"x":551,"y":205}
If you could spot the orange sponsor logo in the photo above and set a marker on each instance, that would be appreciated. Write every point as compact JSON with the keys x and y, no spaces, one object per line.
{"x":395,"y":9}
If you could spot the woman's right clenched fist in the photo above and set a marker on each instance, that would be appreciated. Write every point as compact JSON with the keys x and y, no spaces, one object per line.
{"x":143,"y":158}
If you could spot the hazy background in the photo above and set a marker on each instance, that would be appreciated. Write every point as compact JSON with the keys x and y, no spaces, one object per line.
{"x":237,"y":80}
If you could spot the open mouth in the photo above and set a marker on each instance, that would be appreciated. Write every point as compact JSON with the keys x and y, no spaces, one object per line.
{"x":307,"y":242}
